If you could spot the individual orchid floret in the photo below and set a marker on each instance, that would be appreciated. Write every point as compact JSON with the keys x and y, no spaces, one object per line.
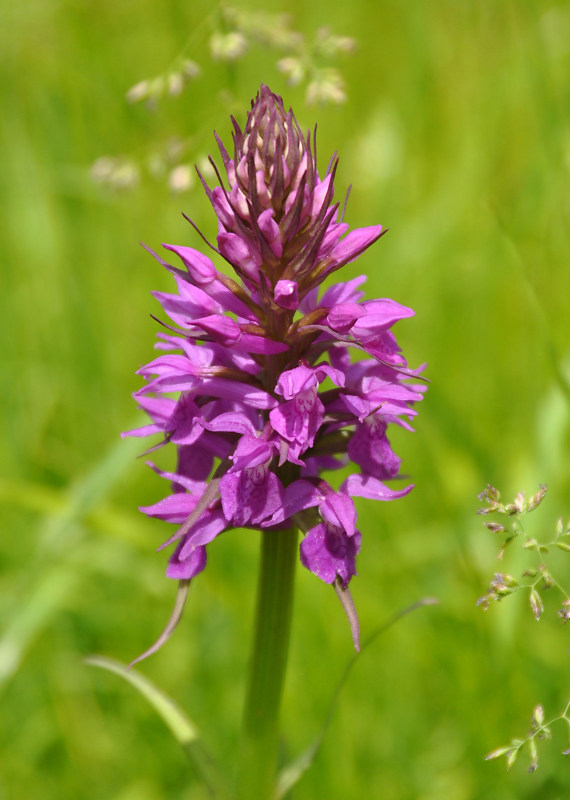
{"x":286,"y":294}
{"x":328,"y":552}
{"x":299,"y":418}
{"x":370,"y":449}
{"x":249,"y":491}
{"x":255,"y":383}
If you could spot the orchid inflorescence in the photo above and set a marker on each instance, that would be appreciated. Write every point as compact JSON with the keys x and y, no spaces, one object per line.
{"x":266,"y":396}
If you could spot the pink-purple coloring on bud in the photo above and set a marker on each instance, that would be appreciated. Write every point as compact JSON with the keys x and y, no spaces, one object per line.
{"x":254,"y":382}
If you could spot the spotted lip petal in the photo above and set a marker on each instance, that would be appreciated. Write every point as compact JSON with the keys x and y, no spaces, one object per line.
{"x":330,"y":554}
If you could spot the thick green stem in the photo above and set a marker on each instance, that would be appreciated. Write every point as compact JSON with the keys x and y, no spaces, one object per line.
{"x":260,"y":738}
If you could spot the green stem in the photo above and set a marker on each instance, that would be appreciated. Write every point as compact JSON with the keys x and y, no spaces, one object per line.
{"x":260,"y":735}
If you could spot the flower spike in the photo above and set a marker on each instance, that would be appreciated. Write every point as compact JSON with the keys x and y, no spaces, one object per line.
{"x":266,"y":395}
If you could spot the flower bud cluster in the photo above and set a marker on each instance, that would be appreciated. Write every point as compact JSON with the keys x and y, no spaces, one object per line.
{"x":254,"y":384}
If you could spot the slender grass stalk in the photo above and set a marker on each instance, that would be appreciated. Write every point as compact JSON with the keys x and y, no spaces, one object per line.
{"x":274,"y":605}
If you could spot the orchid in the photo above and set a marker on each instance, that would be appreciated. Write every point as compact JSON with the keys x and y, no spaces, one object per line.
{"x":256,"y":387}
{"x":268,"y":397}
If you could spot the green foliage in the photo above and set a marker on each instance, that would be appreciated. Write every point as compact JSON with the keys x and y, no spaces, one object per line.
{"x":181,"y":727}
{"x":455,"y":135}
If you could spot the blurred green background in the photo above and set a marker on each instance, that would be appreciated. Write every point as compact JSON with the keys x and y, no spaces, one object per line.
{"x":456,"y":135}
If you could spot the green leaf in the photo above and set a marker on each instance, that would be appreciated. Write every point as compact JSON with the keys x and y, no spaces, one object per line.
{"x":291,"y":773}
{"x":180,"y":725}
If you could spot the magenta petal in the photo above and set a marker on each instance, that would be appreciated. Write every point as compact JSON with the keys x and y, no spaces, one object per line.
{"x":195,"y":464}
{"x":185,"y":568}
{"x":332,"y":238}
{"x":370,"y":449}
{"x":380,"y":315}
{"x":146,"y":430}
{"x":286,"y":294}
{"x":199,"y":266}
{"x":298,"y":420}
{"x":338,"y":509}
{"x":367,"y":486}
{"x":299,"y":495}
{"x":158,"y":408}
{"x":342,"y":317}
{"x":355,"y":243}
{"x":229,"y":422}
{"x":233,"y":390}
{"x":270,"y":230}
{"x":189,"y":303}
{"x":296,"y":380}
{"x":174,"y":508}
{"x":323,"y":371}
{"x":250,"y":496}
{"x":328,"y":552}
{"x":203,"y":532}
{"x":238,"y":252}
{"x":182,"y":482}
{"x":250,"y":343}
{"x":224,"y":211}
{"x":167,"y":365}
{"x":251,"y":451}
{"x":203,"y":273}
{"x":222,"y":329}
{"x":343,"y":292}
{"x":320,"y":193}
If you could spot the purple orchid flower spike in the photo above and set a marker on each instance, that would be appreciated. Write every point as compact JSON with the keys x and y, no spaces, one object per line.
{"x":267,"y":395}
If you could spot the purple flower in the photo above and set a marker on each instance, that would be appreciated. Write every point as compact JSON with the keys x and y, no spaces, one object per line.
{"x":254,"y":384}
{"x":299,"y":418}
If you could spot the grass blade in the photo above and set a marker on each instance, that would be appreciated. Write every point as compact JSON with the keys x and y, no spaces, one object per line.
{"x":176,"y":720}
